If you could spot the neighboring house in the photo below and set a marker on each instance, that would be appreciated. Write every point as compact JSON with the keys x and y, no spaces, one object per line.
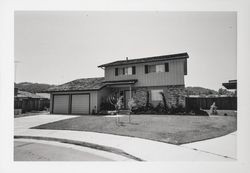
{"x":25,"y":102}
{"x":135,"y":78}
{"x":44,"y":95}
{"x":231,"y":85}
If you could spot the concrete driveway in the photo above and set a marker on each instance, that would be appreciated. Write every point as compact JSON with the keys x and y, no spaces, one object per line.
{"x":148,"y":150}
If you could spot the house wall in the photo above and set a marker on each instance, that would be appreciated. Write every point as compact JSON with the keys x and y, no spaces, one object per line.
{"x":172,"y":94}
{"x":175,"y":76}
{"x":93,"y":98}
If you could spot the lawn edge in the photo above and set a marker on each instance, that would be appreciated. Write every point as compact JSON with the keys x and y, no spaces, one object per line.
{"x":83,"y":144}
{"x":171,"y":143}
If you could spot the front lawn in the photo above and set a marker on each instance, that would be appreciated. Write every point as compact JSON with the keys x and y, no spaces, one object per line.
{"x":172,"y":129}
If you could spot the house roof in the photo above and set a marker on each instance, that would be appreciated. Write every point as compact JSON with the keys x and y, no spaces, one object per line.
{"x":232,"y":84}
{"x":147,"y":59}
{"x":80,"y":85}
{"x":25,"y":94}
{"x":44,"y":95}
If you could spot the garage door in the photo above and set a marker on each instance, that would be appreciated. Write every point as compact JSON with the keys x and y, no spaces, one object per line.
{"x":80,"y":104}
{"x":61,"y":104}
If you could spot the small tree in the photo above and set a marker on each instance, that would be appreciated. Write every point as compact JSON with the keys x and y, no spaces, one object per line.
{"x":131,"y":104}
{"x":113,"y":101}
{"x":117,"y":102}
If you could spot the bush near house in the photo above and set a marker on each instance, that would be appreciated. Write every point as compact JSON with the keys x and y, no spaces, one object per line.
{"x":162,"y":108}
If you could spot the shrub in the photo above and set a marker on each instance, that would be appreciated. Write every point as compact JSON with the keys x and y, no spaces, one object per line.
{"x":144,"y":109}
{"x":132,"y":104}
{"x":180,"y":108}
{"x":165,"y":105}
{"x":160,"y":108}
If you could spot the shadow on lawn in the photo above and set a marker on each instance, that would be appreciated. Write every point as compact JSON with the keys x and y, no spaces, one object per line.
{"x":127,"y":123}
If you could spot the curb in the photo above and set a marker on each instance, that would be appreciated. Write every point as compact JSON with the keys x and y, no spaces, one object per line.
{"x":83,"y":144}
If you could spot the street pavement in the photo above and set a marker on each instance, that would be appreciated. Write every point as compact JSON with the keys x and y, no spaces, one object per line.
{"x":37,"y":150}
{"x":218,"y":149}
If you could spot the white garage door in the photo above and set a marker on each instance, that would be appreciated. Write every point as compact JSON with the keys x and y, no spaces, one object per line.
{"x":80,"y":104}
{"x":61,"y":104}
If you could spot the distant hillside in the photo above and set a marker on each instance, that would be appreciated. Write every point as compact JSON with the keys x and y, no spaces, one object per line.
{"x":200,"y":91}
{"x":32,"y":87}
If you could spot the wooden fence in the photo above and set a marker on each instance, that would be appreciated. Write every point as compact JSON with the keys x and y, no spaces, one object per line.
{"x":222,"y":103}
{"x":30,"y":104}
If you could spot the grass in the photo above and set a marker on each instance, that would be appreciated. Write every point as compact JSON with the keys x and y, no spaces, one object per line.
{"x":172,"y":129}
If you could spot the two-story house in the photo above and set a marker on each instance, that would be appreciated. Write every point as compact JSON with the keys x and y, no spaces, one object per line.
{"x":142,"y":79}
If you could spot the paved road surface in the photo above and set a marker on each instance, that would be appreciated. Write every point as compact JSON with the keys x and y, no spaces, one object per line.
{"x":32,"y":151}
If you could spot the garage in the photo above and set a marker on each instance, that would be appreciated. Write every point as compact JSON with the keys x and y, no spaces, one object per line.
{"x":78,"y":97}
{"x":80,"y":104}
{"x":61,"y":104}
{"x":71,"y":104}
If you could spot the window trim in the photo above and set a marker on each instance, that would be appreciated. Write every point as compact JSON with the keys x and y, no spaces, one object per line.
{"x":165,"y":68}
{"x":129,"y":70}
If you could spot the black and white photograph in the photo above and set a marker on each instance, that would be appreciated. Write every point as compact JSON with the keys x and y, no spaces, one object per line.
{"x":115,"y":86}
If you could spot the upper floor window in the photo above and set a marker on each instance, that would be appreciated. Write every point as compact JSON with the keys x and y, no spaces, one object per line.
{"x":128,"y":70}
{"x":157,"y":68}
{"x":125,"y":71}
{"x":160,"y":68}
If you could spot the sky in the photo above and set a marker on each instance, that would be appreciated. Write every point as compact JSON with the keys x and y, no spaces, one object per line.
{"x":58,"y":47}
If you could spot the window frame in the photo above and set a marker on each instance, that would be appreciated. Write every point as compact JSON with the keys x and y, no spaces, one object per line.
{"x":130,"y":70}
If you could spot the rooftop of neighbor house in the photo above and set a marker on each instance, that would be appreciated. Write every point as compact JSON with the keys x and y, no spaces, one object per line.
{"x":85,"y":84}
{"x":231,"y":84}
{"x":147,"y":59}
{"x":25,"y":94}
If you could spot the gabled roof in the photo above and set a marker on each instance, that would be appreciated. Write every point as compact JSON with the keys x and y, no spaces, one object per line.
{"x":80,"y":85}
{"x":148,"y":59}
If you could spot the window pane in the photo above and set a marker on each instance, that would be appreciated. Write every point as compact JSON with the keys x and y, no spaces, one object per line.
{"x":160,"y":68}
{"x":151,"y":68}
{"x":120,"y":71}
{"x":126,"y":71}
{"x":155,"y":95}
{"x":129,"y":70}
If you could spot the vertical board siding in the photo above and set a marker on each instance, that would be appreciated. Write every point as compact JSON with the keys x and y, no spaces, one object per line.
{"x":31,"y":104}
{"x":175,"y":76}
{"x":222,"y":103}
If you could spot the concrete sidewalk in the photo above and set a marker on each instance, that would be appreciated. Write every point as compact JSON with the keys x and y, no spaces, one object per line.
{"x":144,"y":149}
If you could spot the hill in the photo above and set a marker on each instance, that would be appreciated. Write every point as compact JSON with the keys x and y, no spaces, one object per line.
{"x":32,"y":87}
{"x":200,"y":91}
